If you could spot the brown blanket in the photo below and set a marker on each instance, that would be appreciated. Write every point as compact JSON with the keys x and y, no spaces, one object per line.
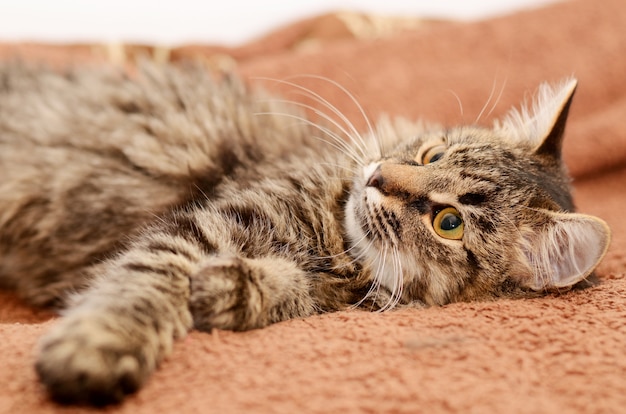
{"x":556,"y":354}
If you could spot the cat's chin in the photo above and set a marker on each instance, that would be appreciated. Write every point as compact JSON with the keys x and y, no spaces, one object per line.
{"x":353,"y":229}
{"x":384,"y":261}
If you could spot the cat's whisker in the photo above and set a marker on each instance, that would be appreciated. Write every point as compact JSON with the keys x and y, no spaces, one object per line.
{"x":337,"y":142}
{"x":484,"y":108}
{"x":378,"y":275}
{"x":458,"y":100}
{"x":354,"y":134}
{"x":355,"y":137}
{"x":399,"y":279}
{"x":201,"y":191}
{"x":351,"y":133}
{"x":535,"y":209}
{"x":495,"y":103}
{"x":378,"y":143}
{"x":375,"y":282}
{"x":350,"y":249}
{"x":352,"y":170}
{"x":346,"y":151}
{"x":396,"y":288}
{"x":333,"y":122}
{"x":356,"y":103}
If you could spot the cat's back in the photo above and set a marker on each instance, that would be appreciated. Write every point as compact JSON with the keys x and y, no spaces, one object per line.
{"x":89,"y":156}
{"x":165,"y":119}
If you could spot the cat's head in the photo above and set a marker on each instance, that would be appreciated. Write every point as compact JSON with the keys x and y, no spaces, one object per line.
{"x":474,"y":213}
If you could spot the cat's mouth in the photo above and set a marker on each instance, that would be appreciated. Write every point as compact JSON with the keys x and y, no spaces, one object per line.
{"x":367,"y":219}
{"x":373,"y":232}
{"x":379,"y":223}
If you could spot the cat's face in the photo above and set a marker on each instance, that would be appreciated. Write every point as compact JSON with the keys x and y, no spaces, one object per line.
{"x":472,"y":213}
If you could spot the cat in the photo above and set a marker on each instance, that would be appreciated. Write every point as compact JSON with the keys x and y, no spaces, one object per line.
{"x":147,"y":204}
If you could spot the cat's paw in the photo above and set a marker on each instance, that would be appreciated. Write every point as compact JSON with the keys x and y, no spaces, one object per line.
{"x":82,"y":363}
{"x":224,"y":295}
{"x":236,"y":293}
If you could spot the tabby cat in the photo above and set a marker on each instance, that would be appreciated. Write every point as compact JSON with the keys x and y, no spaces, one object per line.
{"x":149,"y":204}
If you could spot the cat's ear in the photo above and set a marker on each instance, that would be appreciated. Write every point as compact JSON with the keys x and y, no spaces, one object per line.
{"x":542,"y":123}
{"x":562,"y":250}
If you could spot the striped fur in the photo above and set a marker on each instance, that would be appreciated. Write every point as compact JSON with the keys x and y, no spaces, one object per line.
{"x":146,"y":206}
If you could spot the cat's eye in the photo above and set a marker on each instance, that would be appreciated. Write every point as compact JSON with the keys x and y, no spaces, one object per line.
{"x":433,"y":154}
{"x":448,"y":223}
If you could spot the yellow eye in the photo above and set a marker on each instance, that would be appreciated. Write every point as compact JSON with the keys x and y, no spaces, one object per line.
{"x":449,"y":224}
{"x":433,"y":154}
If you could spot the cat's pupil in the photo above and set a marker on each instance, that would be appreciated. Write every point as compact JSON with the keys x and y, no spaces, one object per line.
{"x":436,"y":157}
{"x":450,"y":222}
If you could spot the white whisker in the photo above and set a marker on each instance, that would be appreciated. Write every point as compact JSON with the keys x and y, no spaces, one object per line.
{"x":355,"y":136}
{"x":399,"y":278}
{"x":379,"y":274}
{"x":458,"y":99}
{"x":355,"y":102}
{"x":375,"y":281}
{"x":331,"y":121}
{"x":495,"y":103}
{"x":493,"y":90}
{"x":397,"y":286}
{"x":337,"y":143}
{"x":352,"y":170}
{"x":351,"y":132}
{"x":348,"y":250}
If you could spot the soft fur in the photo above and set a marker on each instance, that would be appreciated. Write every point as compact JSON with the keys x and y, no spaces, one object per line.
{"x":169,"y":200}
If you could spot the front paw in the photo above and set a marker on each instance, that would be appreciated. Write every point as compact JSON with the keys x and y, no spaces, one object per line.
{"x":224,"y":294}
{"x":81,"y":361}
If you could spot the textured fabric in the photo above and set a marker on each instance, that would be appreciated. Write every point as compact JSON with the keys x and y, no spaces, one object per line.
{"x":561,"y":353}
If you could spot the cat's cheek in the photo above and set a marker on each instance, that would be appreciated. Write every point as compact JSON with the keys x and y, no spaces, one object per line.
{"x":352,"y":222}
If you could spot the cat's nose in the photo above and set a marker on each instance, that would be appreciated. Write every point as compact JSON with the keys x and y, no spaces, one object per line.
{"x":376,"y":179}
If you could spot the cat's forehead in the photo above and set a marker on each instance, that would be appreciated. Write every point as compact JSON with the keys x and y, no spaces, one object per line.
{"x":480,"y":161}
{"x":472,"y":136}
{"x":474,"y":141}
{"x":474,"y":159}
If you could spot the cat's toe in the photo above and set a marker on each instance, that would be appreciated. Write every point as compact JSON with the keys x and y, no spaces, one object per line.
{"x":79,"y":369}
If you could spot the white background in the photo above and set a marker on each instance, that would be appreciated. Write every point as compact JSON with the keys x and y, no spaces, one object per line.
{"x":228,"y":22}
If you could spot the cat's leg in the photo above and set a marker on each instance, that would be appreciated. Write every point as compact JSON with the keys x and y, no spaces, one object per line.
{"x":236,"y":293}
{"x":121,"y":327}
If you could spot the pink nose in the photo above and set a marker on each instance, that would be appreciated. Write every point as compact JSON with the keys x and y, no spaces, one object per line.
{"x":376,"y":179}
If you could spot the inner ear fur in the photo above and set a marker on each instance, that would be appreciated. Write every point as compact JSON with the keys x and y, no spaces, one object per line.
{"x":563,"y":250}
{"x":541,"y":124}
{"x":552,"y":142}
